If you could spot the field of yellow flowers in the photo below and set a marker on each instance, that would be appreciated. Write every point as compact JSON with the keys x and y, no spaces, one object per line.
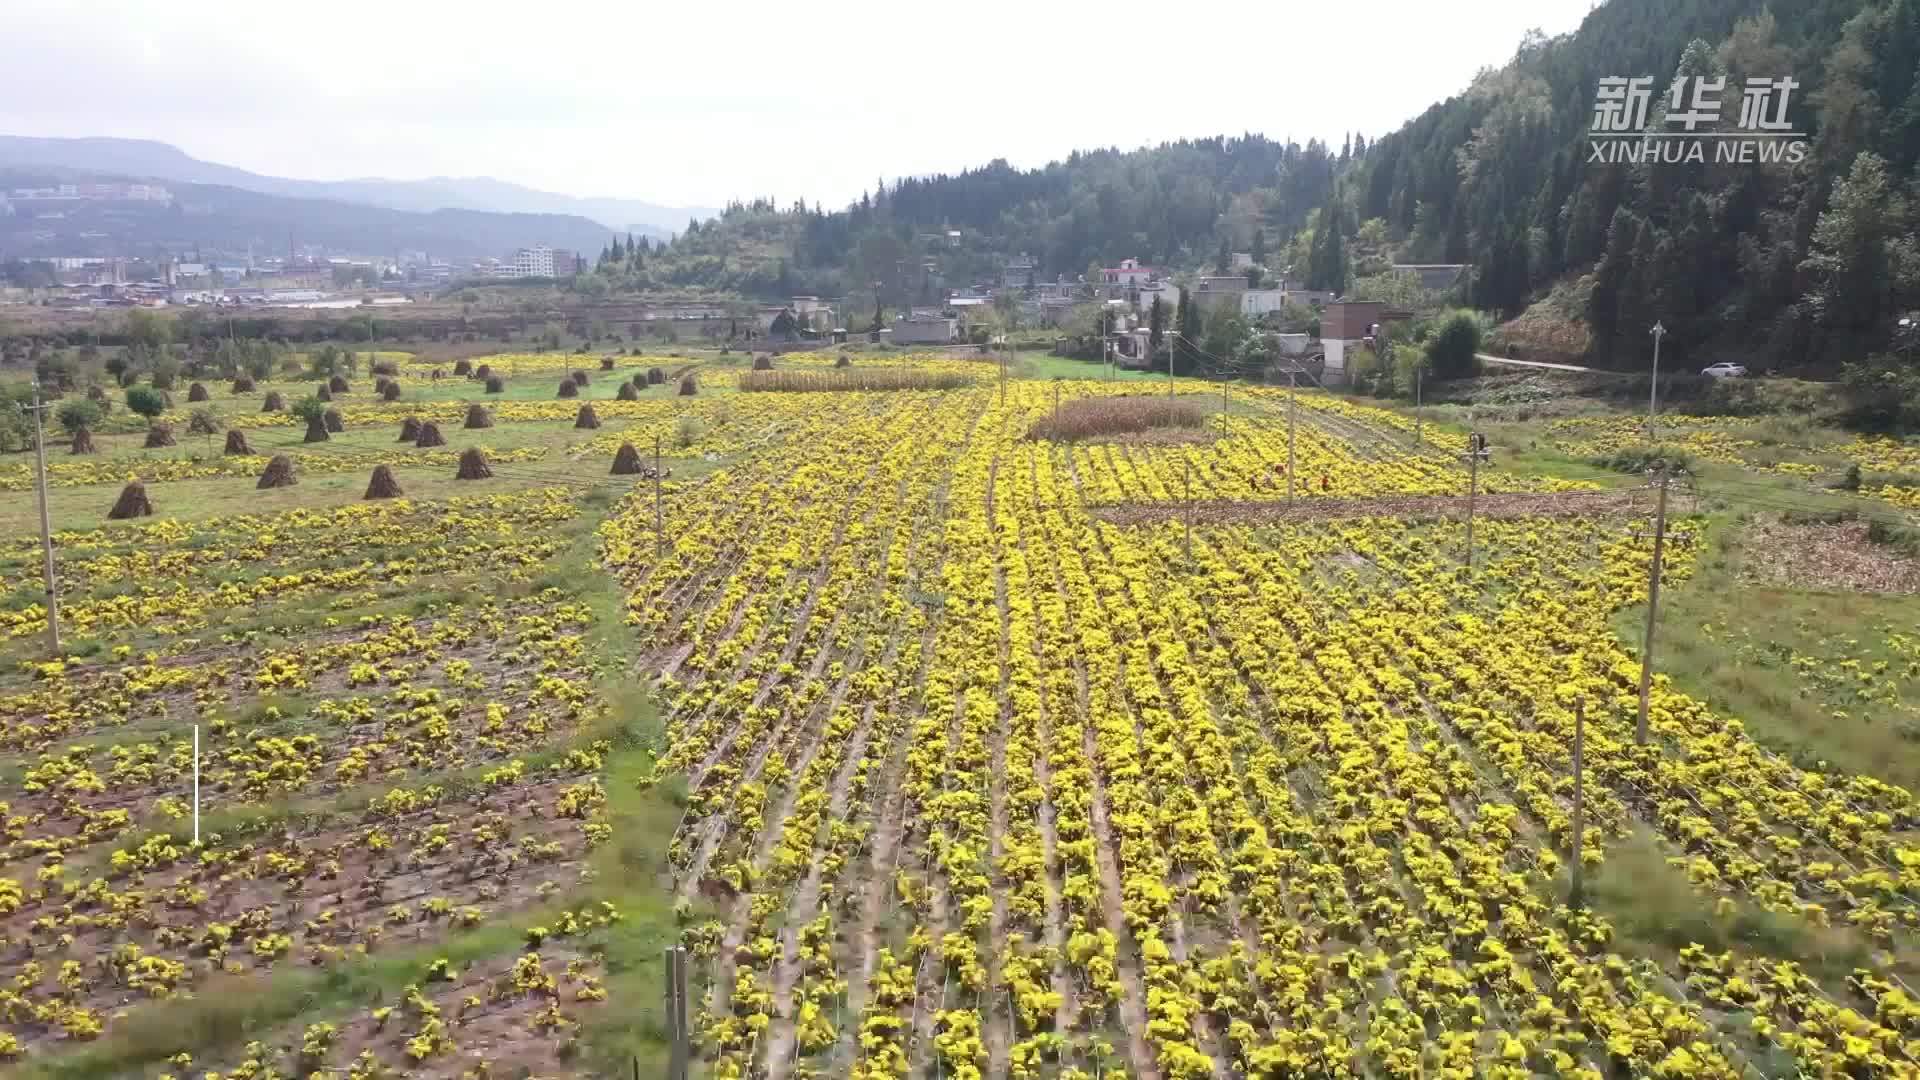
{"x":937,"y":760}
{"x":981,"y":784}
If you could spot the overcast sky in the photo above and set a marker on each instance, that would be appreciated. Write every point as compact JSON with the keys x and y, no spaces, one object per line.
{"x":698,"y":103}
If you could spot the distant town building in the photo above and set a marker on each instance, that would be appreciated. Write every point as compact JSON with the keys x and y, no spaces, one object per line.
{"x":1130,"y":273}
{"x":1350,"y":325}
{"x":530,"y":262}
{"x":1220,"y":292}
{"x":924,"y":328}
{"x":1435,"y":277}
{"x":1019,"y":272}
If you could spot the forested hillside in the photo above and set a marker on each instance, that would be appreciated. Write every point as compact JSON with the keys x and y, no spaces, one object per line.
{"x":1785,"y":264}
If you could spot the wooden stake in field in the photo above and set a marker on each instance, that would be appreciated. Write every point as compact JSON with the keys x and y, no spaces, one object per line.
{"x":1653,"y":602}
{"x":1577,"y":896}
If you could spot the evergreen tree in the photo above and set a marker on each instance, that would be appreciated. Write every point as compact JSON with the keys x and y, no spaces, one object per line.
{"x":1259,"y":251}
{"x":1224,"y":257}
{"x":1156,"y":324}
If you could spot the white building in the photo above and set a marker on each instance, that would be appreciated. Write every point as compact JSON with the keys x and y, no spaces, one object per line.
{"x":536,"y":261}
{"x":1257,"y":302}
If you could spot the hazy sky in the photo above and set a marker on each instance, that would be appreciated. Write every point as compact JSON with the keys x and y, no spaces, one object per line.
{"x":697,"y":103}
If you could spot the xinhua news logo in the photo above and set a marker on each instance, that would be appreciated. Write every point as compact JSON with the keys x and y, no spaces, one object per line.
{"x":1690,"y":128}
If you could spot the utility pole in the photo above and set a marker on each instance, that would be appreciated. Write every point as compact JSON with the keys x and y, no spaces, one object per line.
{"x":1418,"y":370}
{"x":1056,"y":404}
{"x":196,"y":785}
{"x":1653,"y":602}
{"x":1291,"y":377}
{"x":1189,"y":495}
{"x":1577,"y":897}
{"x":46,"y":521}
{"x":676,"y":971}
{"x":1170,"y":340}
{"x":1653,"y":394}
{"x":1477,"y":452}
{"x":1004,"y":346}
{"x":659,"y":528}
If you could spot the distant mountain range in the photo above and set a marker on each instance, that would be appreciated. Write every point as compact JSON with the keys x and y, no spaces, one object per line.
{"x":145,"y":158}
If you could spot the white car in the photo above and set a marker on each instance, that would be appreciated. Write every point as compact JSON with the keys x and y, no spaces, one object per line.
{"x":1724,"y":371}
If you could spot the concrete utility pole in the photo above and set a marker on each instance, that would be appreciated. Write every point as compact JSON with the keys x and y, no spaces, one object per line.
{"x":1170,"y":340}
{"x":1056,"y":404}
{"x":676,"y":971}
{"x":1577,"y":897}
{"x":196,"y":785}
{"x":46,"y":521}
{"x":1189,"y":496}
{"x":1418,"y":370}
{"x":1653,"y":602}
{"x":1291,"y":376}
{"x":1477,"y":452}
{"x":1653,"y":394}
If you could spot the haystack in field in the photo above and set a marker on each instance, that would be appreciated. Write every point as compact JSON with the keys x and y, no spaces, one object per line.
{"x":626,"y":460}
{"x":202,"y":422}
{"x":688,"y":386}
{"x":243,"y":384}
{"x":463,"y":367}
{"x":627,"y":392}
{"x":763,"y":362}
{"x":339,"y":385}
{"x":197,"y":392}
{"x":334,"y":421}
{"x":323,"y":393}
{"x":473,"y":465}
{"x":392,"y":391}
{"x":132,"y":503}
{"x":586,"y":418}
{"x":496,"y":384}
{"x":483,"y":371}
{"x":478,"y":417}
{"x":430,"y":435}
{"x":278,"y":473}
{"x":383,"y":485}
{"x":316,"y":428}
{"x":237,"y":442}
{"x":606,"y":363}
{"x":274,"y":402}
{"x":409,"y":429}
{"x":569,"y":388}
{"x":655,"y":376}
{"x":158,"y":435}
{"x":82,"y":441}
{"x":579,"y":377}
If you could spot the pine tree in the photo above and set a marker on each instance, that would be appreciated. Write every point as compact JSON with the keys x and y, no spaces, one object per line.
{"x":1156,"y":324}
{"x":1224,"y":257}
{"x":1259,"y":251}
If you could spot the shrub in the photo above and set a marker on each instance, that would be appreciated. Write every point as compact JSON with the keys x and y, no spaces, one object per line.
{"x":309,"y":407}
{"x":686,"y":432}
{"x":1450,"y":351}
{"x":146,"y":401}
{"x":78,"y":413}
{"x":1637,"y":459}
